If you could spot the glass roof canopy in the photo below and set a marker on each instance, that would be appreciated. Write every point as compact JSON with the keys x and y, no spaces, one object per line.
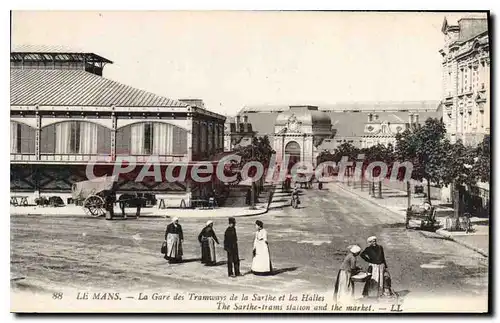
{"x":61,"y":57}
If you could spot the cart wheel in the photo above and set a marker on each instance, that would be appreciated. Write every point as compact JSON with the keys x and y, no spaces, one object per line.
{"x":94,"y":206}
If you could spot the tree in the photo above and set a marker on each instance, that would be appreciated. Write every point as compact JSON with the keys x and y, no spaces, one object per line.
{"x":423,"y":147}
{"x":348,"y":150}
{"x":379,"y":153}
{"x":482,"y":168}
{"x":458,"y":172}
{"x":259,"y":150}
{"x":431,"y":154}
{"x":405,"y":151}
{"x":325,"y":156}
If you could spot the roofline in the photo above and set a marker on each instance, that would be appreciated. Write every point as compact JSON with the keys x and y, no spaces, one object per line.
{"x":117,"y":109}
{"x":472,"y":18}
{"x":105,"y":60}
{"x":355,"y":105}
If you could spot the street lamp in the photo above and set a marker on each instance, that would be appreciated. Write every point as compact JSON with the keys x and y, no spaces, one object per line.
{"x":252,"y":192}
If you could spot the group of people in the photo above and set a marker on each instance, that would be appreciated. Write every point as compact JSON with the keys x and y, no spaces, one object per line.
{"x":261,"y":262}
{"x":378,"y":279}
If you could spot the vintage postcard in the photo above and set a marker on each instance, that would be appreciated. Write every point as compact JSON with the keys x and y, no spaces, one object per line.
{"x":250,"y":162}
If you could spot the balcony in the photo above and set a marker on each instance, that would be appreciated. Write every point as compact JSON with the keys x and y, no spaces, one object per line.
{"x":85,"y":158}
{"x":22,"y":158}
{"x":161,"y":159}
{"x":74,"y":158}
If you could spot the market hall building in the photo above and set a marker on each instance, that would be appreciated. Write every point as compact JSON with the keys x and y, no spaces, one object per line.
{"x":65,"y":114}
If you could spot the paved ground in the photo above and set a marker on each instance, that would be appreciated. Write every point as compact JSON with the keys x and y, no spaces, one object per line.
{"x":74,"y":210}
{"x":397,"y":202}
{"x":307,"y":246}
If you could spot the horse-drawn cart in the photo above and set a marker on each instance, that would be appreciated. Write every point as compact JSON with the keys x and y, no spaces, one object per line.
{"x":99,"y":194}
{"x":92,"y":194}
{"x":421,"y":217}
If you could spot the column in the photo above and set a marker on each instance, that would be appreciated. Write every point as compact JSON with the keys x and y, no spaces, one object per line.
{"x":195,"y":136}
{"x":113,"y":136}
{"x":35,"y":168}
{"x":189,"y":140}
{"x":487,"y":104}
{"x":38,"y":131}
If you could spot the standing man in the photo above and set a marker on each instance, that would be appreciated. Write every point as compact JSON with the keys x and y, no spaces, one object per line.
{"x":231,"y":247}
{"x":379,"y":283}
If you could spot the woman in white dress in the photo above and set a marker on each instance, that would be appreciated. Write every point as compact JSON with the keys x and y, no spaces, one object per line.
{"x":261,"y":264}
{"x":344,"y":286}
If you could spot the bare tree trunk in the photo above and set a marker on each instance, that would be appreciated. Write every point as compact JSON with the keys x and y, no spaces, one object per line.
{"x":408,"y":193}
{"x":457,"y":199}
{"x":252,"y":197}
{"x":429,"y":191}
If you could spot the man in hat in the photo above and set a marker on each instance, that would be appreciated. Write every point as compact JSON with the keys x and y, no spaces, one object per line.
{"x":231,"y":247}
{"x":379,"y":283}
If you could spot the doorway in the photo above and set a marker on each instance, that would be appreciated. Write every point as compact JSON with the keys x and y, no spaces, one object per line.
{"x":292,"y":150}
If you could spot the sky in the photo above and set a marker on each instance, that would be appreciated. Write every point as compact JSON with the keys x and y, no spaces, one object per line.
{"x":234,"y":59}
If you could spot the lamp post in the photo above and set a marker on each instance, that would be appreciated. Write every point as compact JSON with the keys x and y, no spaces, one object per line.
{"x":252,"y":191}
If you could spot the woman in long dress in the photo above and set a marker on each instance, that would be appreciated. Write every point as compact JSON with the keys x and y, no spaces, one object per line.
{"x":379,"y":283}
{"x":174,"y":238}
{"x":261,"y":263}
{"x":344,"y":287}
{"x":207,"y":239}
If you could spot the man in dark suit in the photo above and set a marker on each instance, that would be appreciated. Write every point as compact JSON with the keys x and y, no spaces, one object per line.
{"x":231,"y":247}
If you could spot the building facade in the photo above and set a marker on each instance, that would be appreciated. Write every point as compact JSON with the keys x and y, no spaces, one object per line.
{"x":466,"y":79}
{"x":299,"y":132}
{"x":362,"y":124}
{"x":64,"y":115}
{"x":466,"y":94}
{"x":238,"y":133}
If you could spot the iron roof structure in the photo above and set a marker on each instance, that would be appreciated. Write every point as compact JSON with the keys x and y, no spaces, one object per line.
{"x":78,"y":88}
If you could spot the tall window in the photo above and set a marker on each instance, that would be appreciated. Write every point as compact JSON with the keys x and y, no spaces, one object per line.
{"x":22,"y":138}
{"x":148,"y":138}
{"x":19,"y":137}
{"x":74,"y":143}
{"x":152,"y":138}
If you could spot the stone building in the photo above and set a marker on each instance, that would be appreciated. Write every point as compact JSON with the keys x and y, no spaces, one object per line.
{"x":315,"y":129}
{"x":64,"y":114}
{"x":238,"y":133}
{"x":466,"y":79}
{"x":466,"y":93}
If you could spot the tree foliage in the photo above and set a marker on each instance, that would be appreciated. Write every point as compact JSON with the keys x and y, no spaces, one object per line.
{"x":424,"y":147}
{"x":259,"y":150}
{"x":482,"y":168}
{"x":460,"y":161}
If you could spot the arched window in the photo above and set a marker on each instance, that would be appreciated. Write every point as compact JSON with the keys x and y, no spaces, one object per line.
{"x":22,"y":138}
{"x":151,"y":138}
{"x":75,"y":137}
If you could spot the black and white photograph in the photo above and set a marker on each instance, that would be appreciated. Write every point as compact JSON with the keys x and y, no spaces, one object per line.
{"x":307,"y":162}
